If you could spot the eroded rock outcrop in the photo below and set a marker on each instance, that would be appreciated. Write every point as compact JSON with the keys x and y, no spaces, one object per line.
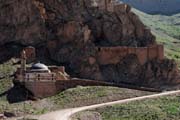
{"x":21,"y":22}
{"x":71,"y":30}
{"x":161,"y":72}
{"x":119,"y":27}
{"x":154,"y":73}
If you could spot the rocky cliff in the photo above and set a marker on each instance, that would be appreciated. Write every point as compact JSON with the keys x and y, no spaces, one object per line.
{"x":166,"y":7}
{"x":69,"y":31}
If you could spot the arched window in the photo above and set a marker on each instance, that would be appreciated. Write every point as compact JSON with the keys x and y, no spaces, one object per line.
{"x":38,"y":77}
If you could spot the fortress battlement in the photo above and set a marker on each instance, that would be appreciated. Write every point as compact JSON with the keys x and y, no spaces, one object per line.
{"x":112,"y":55}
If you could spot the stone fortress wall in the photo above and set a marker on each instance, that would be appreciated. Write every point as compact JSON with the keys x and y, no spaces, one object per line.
{"x":111,"y":5}
{"x":112,"y":55}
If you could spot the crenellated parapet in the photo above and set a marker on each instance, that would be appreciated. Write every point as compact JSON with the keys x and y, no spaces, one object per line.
{"x":112,"y":55}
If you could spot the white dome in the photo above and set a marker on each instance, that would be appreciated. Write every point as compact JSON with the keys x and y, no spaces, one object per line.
{"x":39,"y":66}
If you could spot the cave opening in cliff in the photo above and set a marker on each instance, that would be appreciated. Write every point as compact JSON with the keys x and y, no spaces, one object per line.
{"x":10,"y":50}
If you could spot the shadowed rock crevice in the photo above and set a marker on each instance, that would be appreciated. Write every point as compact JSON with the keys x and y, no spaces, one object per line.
{"x":17,"y":94}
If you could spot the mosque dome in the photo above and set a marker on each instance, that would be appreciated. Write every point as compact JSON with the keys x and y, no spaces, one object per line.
{"x":39,"y":67}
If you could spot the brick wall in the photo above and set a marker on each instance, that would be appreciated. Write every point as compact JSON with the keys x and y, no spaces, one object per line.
{"x":57,"y":69}
{"x":112,"y":55}
{"x":113,"y":6}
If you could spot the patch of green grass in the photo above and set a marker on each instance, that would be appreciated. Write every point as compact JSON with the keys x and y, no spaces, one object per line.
{"x":83,"y":96}
{"x":169,"y":29}
{"x":77,"y":95}
{"x":7,"y":69}
{"x":169,"y":25}
{"x":164,"y":108}
{"x":171,"y":47}
{"x":22,"y":108}
{"x":5,"y":84}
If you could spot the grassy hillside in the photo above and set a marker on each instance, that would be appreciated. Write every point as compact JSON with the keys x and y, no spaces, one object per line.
{"x":169,"y":25}
{"x":74,"y":97}
{"x":164,"y":108}
{"x":6,"y":71}
{"x":167,"y":31}
{"x":83,"y":96}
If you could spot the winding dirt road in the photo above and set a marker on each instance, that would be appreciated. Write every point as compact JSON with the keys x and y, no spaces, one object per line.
{"x":67,"y":113}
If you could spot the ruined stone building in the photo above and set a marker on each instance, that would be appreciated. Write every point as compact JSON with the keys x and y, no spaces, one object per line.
{"x":39,"y":78}
{"x":109,"y":5}
{"x":105,"y":5}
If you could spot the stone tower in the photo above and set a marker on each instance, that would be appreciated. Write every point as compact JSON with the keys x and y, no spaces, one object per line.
{"x":107,"y":5}
{"x":87,"y":33}
{"x":23,"y":62}
{"x":110,"y":5}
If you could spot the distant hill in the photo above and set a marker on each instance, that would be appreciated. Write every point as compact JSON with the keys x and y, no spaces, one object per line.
{"x":155,"y":6}
{"x":163,"y":18}
{"x":167,"y":31}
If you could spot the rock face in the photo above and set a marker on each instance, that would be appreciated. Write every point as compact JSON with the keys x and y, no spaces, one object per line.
{"x":153,"y":73}
{"x":35,"y":21}
{"x":20,"y":22}
{"x":166,"y":7}
{"x":70,"y":30}
{"x":161,"y":72}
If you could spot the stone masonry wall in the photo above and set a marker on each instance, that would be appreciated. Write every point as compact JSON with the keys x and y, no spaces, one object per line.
{"x":112,"y":55}
{"x":42,"y":89}
{"x":112,"y":6}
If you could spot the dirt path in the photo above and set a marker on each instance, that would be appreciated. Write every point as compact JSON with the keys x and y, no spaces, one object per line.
{"x":67,"y":113}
